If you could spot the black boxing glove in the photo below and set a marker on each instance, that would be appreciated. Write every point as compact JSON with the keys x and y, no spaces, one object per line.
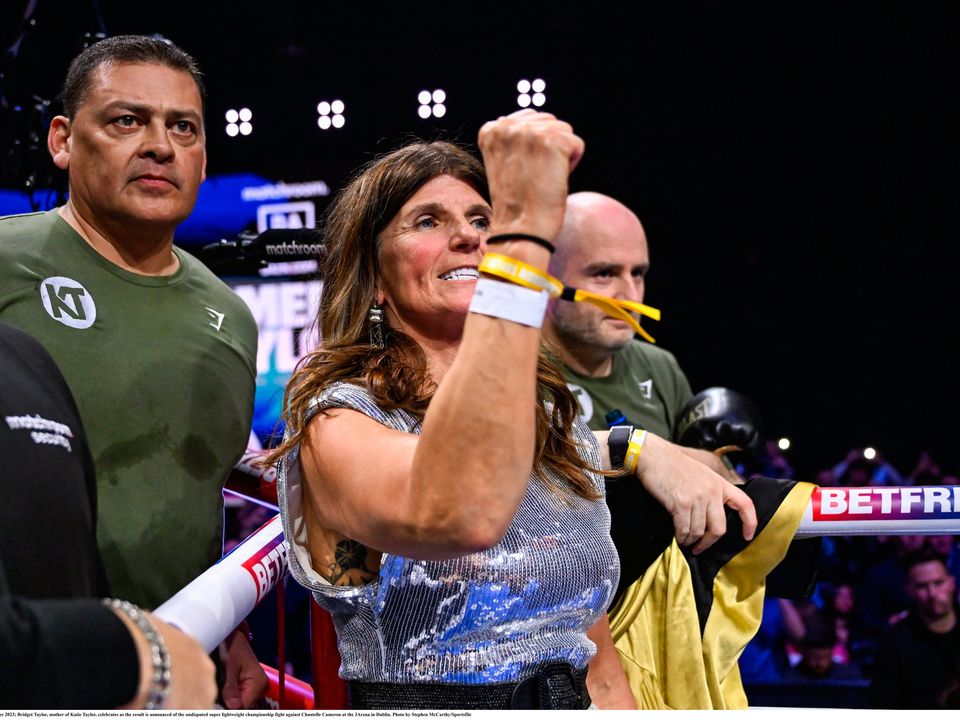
{"x":720,"y":419}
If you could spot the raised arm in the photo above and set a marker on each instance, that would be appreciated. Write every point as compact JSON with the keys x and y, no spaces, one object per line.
{"x":455,"y":488}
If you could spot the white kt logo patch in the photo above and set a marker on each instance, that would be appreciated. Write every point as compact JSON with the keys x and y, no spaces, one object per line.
{"x":68,"y":302}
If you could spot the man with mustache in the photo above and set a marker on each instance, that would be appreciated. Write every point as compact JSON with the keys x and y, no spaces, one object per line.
{"x":159,"y":353}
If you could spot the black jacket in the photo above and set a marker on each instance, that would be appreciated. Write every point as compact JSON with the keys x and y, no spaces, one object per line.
{"x":59,"y":648}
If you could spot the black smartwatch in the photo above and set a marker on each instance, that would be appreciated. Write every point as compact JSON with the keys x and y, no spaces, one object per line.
{"x":617,"y":441}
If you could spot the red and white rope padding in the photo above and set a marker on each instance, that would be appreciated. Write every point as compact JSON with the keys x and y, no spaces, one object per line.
{"x":877,"y":510}
{"x":253,"y":480}
{"x":211,"y":606}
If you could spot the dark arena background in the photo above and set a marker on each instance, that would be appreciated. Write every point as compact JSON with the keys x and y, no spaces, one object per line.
{"x":794,"y":165}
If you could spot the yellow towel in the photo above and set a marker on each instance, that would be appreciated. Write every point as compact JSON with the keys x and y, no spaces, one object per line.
{"x":656,"y":627}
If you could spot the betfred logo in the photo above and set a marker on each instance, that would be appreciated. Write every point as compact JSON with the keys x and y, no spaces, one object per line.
{"x":886,"y":503}
{"x":267,"y":566}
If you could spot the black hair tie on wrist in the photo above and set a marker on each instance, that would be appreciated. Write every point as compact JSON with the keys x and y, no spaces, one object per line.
{"x":506,"y":237}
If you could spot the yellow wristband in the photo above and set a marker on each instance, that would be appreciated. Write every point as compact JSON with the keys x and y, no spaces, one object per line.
{"x":526,"y":275}
{"x":634,"y":448}
{"x":520,"y":273}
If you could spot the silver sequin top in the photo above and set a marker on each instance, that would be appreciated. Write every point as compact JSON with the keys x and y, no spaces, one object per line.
{"x":489,"y":617}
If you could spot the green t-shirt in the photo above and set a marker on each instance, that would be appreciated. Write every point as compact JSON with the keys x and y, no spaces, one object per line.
{"x":646,"y":385}
{"x":163,"y":370}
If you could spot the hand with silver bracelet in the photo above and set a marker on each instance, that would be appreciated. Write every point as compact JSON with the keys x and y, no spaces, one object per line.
{"x":175,"y":670}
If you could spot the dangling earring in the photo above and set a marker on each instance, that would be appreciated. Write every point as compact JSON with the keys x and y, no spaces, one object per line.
{"x":375,"y":318}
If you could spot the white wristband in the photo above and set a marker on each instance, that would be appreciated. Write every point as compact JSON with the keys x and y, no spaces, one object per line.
{"x":509,"y":302}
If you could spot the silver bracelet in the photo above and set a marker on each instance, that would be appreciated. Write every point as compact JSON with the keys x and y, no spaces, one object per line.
{"x":159,"y":656}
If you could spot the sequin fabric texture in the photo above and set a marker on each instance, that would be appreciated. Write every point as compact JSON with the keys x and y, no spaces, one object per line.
{"x":488,"y":617}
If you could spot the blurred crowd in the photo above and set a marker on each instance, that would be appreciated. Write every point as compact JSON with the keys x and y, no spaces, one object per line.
{"x":845,"y":634}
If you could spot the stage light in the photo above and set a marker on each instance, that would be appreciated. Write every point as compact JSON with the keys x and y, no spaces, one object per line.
{"x":869,"y":453}
{"x":330,"y":114}
{"x":432,"y":103}
{"x":783,"y":443}
{"x":531,"y":93}
{"x":239,"y":122}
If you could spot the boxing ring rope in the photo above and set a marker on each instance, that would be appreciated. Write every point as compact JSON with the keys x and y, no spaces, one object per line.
{"x":878,"y":510}
{"x":217,"y":601}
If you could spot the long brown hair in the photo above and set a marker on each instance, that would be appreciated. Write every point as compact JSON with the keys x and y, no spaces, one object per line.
{"x":397,"y":375}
